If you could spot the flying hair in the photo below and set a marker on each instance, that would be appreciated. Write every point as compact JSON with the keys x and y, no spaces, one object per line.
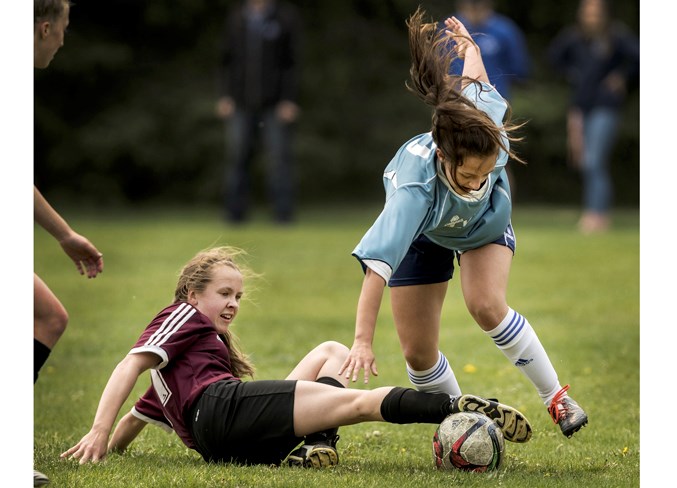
{"x":458,"y":128}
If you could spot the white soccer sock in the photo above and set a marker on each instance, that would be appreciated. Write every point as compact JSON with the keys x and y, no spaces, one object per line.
{"x":519,"y":342}
{"x":438,"y":379}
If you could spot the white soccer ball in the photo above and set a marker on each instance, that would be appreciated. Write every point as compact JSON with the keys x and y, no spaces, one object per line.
{"x":468,"y":441}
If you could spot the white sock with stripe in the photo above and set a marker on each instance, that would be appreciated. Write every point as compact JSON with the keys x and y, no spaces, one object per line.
{"x":519,"y":342}
{"x":438,"y":379}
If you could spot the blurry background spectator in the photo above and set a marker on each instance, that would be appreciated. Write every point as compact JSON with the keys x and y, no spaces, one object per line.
{"x":259,"y":86}
{"x":599,"y":57}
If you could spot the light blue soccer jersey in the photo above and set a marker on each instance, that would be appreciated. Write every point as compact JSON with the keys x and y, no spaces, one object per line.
{"x":419,"y":200}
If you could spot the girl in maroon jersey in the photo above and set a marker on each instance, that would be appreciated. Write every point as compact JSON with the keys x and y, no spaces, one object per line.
{"x":197,"y":391}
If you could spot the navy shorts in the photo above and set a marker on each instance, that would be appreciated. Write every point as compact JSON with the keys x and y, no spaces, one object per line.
{"x":245,"y":422}
{"x":426,"y":262}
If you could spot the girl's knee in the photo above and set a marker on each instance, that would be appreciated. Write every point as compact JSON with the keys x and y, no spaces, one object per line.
{"x":487,"y":313}
{"x":421,"y":359}
{"x":53,"y":325}
{"x":334,"y":349}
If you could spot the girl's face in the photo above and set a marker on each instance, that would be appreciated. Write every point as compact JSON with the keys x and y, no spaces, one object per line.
{"x":220,"y":300}
{"x":471,"y":175}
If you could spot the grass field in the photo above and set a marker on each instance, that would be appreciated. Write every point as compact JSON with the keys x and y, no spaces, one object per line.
{"x":580,"y":293}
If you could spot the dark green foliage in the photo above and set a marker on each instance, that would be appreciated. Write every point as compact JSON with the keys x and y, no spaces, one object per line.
{"x":125,"y":112}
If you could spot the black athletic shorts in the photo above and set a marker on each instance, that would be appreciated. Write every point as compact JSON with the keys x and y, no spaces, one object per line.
{"x":426,"y":262}
{"x":248,"y":422}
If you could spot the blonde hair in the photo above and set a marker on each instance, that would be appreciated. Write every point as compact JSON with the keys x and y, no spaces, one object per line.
{"x":459,"y":129}
{"x":197,"y":274}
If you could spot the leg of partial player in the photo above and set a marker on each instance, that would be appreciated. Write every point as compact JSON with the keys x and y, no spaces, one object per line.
{"x":49,"y":323}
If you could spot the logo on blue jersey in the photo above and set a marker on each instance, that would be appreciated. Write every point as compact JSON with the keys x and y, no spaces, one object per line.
{"x":456,"y":221}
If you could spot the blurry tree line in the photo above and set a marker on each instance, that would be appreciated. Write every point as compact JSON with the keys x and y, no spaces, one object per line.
{"x":125,"y":112}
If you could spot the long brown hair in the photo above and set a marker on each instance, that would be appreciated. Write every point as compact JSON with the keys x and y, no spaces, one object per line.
{"x":458,"y":128}
{"x":197,"y":274}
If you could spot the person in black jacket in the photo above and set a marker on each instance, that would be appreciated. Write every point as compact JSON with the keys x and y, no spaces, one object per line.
{"x":258,"y":97}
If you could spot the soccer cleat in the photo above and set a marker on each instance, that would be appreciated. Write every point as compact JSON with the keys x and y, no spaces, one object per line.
{"x":39,"y":479}
{"x":566,"y":412}
{"x":513,"y":423}
{"x":320,"y":455}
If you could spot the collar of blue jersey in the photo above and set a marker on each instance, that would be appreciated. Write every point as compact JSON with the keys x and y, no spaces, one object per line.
{"x":472,"y":196}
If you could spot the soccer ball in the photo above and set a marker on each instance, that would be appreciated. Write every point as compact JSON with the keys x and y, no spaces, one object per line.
{"x":469,"y":441}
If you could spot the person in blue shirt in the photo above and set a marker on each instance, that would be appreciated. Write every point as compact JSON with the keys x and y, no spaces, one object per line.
{"x":447,"y":199}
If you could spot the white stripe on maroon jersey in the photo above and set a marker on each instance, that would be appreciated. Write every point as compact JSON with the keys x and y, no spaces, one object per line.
{"x":171,"y":324}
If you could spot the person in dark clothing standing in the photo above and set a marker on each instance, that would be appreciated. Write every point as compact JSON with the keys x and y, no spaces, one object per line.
{"x":599,"y":57}
{"x":258,"y":83}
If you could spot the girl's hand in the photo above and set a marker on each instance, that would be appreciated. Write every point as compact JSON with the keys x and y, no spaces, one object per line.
{"x":360,"y":357}
{"x":86,"y":257}
{"x":457,"y":31}
{"x":92,"y":447}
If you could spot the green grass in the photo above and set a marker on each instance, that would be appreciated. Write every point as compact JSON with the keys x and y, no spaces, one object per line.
{"x":581,"y":294}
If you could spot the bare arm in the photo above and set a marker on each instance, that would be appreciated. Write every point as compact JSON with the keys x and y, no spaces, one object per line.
{"x":473,"y":66}
{"x":94,"y":445}
{"x":361,"y":354}
{"x":86,"y":257}
{"x":127,"y":429}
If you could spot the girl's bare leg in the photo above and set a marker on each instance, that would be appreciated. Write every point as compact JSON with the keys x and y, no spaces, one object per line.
{"x":319,"y":407}
{"x":323,"y":361}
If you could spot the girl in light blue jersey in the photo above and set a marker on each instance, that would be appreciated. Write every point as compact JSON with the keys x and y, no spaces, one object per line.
{"x":447,"y":198}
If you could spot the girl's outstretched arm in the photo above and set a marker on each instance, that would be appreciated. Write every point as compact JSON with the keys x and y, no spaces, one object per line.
{"x":467,"y":49}
{"x":94,"y":445}
{"x":361,"y":354}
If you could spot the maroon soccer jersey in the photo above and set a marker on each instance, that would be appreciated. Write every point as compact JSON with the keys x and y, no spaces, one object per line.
{"x":193,"y":356}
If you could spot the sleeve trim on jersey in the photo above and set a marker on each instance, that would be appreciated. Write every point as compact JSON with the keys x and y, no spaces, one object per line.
{"x":379,"y":267}
{"x":155,"y":350}
{"x":149,"y":420}
{"x":171,"y":324}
